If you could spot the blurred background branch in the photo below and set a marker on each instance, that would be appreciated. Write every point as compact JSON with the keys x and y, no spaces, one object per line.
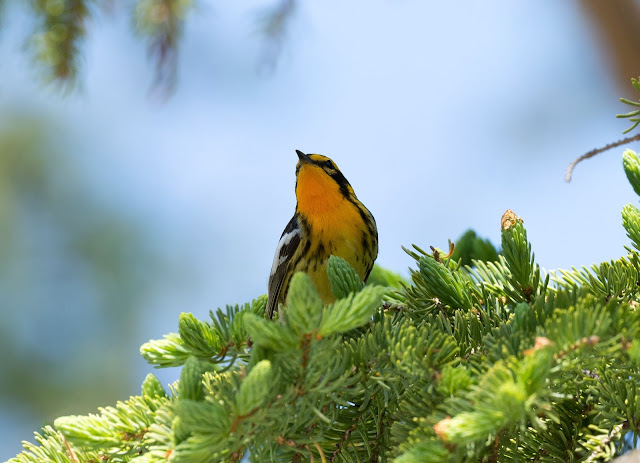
{"x":617,"y":25}
{"x":61,"y":27}
{"x":274,"y":24}
{"x":55,"y":43}
{"x":161,"y":23}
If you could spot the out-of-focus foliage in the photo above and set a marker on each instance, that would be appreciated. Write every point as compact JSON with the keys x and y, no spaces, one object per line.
{"x":470,"y":247}
{"x":274,"y":23}
{"x":66,"y":260}
{"x":160,"y":22}
{"x":62,"y":25}
{"x":56,"y":41}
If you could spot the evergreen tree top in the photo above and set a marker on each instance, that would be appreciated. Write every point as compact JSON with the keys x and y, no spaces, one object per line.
{"x":485,"y":360}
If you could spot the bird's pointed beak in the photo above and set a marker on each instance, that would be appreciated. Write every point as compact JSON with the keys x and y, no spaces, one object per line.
{"x":303,"y":157}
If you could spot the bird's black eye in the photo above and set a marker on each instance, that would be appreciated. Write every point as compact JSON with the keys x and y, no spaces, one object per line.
{"x":328,"y":164}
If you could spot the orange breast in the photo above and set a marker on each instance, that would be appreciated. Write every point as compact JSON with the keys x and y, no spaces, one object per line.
{"x":335,"y":225}
{"x":330,"y":215}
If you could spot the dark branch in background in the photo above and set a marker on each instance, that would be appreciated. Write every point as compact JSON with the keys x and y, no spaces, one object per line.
{"x":273,"y":25}
{"x":56,"y":40}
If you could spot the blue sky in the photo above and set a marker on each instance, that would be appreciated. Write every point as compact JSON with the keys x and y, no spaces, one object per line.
{"x":441,"y":115}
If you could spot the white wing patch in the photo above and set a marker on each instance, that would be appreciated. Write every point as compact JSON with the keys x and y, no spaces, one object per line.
{"x":286,"y":249}
{"x":278,"y":260}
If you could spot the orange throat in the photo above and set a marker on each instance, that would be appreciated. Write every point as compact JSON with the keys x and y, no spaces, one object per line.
{"x":316,"y":192}
{"x":323,"y":205}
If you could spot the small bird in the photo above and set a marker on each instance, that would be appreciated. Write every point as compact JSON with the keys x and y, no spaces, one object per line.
{"x":329,"y":220}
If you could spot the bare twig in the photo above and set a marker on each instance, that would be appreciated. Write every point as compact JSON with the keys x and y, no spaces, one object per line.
{"x":596,"y":151}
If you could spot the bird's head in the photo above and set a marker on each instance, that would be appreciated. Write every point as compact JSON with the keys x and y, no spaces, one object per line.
{"x":319,"y":181}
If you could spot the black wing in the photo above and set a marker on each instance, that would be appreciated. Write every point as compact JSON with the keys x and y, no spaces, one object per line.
{"x":289,"y":242}
{"x":373,"y":236}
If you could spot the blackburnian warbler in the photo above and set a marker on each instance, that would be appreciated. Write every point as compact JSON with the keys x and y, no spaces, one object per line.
{"x":329,"y":220}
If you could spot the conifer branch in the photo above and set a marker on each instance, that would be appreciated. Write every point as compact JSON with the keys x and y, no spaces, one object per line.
{"x":493,"y":361}
{"x":612,"y":436}
{"x":376,"y":441}
{"x":343,"y":441}
{"x":72,"y":454}
{"x":323,"y":459}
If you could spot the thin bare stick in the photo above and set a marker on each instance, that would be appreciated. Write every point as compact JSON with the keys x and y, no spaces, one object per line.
{"x":593,"y":152}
